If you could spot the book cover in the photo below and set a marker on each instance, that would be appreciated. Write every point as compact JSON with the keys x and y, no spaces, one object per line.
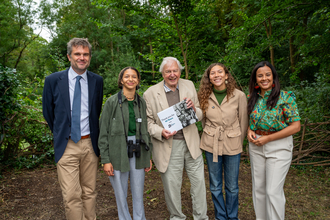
{"x":177,"y":116}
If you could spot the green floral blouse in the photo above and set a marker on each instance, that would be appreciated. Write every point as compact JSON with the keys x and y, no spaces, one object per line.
{"x":278,"y":117}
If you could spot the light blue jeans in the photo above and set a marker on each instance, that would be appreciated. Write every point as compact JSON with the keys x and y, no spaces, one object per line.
{"x":230,"y":166}
{"x":119,"y":183}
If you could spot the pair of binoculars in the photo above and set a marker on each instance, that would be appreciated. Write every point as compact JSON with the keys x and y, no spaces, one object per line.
{"x":136,"y":148}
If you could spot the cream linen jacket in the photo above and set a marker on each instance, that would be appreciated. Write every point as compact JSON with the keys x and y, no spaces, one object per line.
{"x":225,"y":125}
{"x":156,"y":100}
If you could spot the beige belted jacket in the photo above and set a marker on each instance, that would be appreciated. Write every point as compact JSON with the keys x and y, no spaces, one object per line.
{"x":225,"y":125}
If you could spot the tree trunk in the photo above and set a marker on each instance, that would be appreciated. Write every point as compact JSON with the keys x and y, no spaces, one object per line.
{"x":111,"y":42}
{"x":141,"y":51}
{"x":111,"y":48}
{"x":124,"y":16}
{"x":292,"y":55}
{"x":269,"y":34}
{"x":305,"y":22}
{"x":20,"y":55}
{"x":183,"y":51}
{"x":152,"y":61}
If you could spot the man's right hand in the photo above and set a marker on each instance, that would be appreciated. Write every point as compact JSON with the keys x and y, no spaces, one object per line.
{"x":108,"y":169}
{"x":167,"y":134}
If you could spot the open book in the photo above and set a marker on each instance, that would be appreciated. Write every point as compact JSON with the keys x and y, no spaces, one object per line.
{"x":177,"y":116}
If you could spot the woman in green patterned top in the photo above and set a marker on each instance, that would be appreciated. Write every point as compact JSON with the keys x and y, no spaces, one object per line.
{"x":123,"y":124}
{"x":273,"y":119}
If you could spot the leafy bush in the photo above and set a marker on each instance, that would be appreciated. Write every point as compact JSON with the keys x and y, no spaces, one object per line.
{"x":8,"y":100}
{"x":313,"y":98}
{"x":110,"y":70}
{"x":26,"y":139}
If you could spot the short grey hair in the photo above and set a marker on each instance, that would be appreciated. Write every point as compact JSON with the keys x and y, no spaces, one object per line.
{"x":74,"y":42}
{"x":167,"y":60}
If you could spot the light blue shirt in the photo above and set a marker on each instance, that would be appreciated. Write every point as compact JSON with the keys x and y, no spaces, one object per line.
{"x":168,"y":89}
{"x":84,"y":116}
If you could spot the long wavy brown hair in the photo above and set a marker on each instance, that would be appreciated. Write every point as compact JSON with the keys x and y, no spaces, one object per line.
{"x":206,"y":87}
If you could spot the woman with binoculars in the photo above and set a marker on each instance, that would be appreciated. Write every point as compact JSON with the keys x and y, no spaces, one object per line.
{"x":125,"y":144}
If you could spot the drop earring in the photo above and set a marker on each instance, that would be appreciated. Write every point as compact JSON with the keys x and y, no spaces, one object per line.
{"x":256,"y":86}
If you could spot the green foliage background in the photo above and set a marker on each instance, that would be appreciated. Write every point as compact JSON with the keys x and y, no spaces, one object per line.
{"x":140,"y":33}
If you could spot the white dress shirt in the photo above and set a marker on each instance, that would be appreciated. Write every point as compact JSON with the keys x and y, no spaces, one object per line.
{"x":84,"y":115}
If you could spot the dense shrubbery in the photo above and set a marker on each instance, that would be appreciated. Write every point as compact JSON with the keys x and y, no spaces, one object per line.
{"x":25,"y":137}
{"x":313,"y":98}
{"x":110,"y":70}
{"x":26,"y":140}
{"x":294,"y":35}
{"x":9,"y":104}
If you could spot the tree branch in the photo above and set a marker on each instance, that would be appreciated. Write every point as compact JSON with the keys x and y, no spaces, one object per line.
{"x":289,"y":7}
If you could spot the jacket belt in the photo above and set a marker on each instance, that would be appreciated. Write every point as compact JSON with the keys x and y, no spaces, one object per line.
{"x":218,"y":135}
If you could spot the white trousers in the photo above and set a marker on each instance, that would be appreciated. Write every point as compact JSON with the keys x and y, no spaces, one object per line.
{"x":270,"y":164}
{"x":172,"y":181}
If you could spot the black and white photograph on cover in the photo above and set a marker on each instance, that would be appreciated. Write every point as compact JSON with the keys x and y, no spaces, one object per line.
{"x":186,"y":115}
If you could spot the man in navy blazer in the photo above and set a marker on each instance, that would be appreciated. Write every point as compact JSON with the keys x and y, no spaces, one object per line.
{"x":75,"y":127}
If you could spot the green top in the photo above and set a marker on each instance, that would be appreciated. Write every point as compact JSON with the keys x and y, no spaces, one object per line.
{"x":278,"y":117}
{"x":132,"y":123}
{"x":112,"y":141}
{"x":220,"y":94}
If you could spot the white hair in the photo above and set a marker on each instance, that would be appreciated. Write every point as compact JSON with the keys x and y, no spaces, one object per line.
{"x":167,"y":60}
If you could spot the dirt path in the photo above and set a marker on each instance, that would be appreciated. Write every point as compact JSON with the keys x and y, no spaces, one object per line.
{"x":35,"y":194}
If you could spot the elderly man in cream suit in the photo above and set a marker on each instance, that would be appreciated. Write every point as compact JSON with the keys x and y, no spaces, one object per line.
{"x":177,"y":150}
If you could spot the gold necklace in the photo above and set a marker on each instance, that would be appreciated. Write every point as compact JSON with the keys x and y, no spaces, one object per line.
{"x":129,"y":98}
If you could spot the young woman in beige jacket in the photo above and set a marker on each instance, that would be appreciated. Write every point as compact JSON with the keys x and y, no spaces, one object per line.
{"x":224,"y":128}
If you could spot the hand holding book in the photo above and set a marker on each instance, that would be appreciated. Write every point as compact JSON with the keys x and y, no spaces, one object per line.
{"x":178,"y":116}
{"x":190,"y":104}
{"x":167,"y":134}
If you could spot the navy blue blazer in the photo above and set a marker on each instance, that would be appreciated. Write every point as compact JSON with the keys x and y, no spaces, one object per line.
{"x":56,"y":108}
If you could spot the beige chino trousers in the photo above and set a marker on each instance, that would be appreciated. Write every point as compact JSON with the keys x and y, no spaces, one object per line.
{"x":172,"y":181}
{"x":77,"y":171}
{"x":270,"y":164}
